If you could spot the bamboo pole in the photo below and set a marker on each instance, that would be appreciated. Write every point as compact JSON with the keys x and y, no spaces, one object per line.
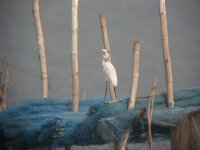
{"x":2,"y":67}
{"x":75,"y":74}
{"x":150,"y":113}
{"x":195,"y":134}
{"x":121,"y":144}
{"x":107,"y":47}
{"x":134,"y":85}
{"x":41,"y":48}
{"x":4,"y":79}
{"x":166,"y":54}
{"x":5,"y":88}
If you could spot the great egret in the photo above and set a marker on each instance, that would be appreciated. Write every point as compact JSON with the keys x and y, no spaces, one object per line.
{"x":109,"y":70}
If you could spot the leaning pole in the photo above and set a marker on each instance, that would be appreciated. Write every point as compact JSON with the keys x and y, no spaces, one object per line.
{"x":41,"y":48}
{"x":107,"y":47}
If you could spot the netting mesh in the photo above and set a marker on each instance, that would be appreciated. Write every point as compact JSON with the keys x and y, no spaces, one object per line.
{"x":51,"y":122}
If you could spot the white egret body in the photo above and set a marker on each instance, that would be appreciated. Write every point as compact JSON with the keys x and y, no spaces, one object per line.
{"x":109,"y":70}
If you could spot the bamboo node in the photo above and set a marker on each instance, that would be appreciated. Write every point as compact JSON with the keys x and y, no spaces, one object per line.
{"x":136,"y":75}
{"x":44,"y":77}
{"x":169,"y":80}
{"x":75,"y":94}
{"x":41,"y":55}
{"x":164,"y":38}
{"x":75,"y":73}
{"x":163,"y":13}
{"x":74,"y":52}
{"x":75,"y":29}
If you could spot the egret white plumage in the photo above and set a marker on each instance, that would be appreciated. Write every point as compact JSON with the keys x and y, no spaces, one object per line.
{"x":109,"y":70}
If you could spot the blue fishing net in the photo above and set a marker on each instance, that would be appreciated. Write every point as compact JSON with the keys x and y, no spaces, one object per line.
{"x":51,"y":122}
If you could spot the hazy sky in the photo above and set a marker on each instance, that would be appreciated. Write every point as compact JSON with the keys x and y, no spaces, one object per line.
{"x":127,"y":20}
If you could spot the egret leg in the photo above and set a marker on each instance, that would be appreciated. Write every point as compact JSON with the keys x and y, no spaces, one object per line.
{"x":115,"y":92}
{"x":105,"y":90}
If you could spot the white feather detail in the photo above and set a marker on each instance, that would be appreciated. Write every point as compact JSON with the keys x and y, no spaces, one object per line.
{"x":110,"y":73}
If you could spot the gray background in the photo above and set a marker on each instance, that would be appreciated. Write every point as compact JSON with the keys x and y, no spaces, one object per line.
{"x":127,"y":20}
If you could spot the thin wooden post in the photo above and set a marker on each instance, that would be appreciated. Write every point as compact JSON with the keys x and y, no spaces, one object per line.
{"x":194,"y":135}
{"x":180,"y":135}
{"x":4,"y":83}
{"x":75,"y":74}
{"x":5,"y":88}
{"x":150,"y":113}
{"x":166,"y":54}
{"x":185,"y":135}
{"x":136,"y":52}
{"x":41,"y":48}
{"x":121,"y":143}
{"x":107,"y":47}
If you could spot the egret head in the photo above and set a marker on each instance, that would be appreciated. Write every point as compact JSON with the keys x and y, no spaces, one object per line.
{"x":105,"y":54}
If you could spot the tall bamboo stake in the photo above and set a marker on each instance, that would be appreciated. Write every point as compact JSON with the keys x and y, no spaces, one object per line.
{"x":166,"y":54}
{"x":107,"y":47}
{"x":75,"y":74}
{"x":136,"y":52}
{"x":41,"y":48}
